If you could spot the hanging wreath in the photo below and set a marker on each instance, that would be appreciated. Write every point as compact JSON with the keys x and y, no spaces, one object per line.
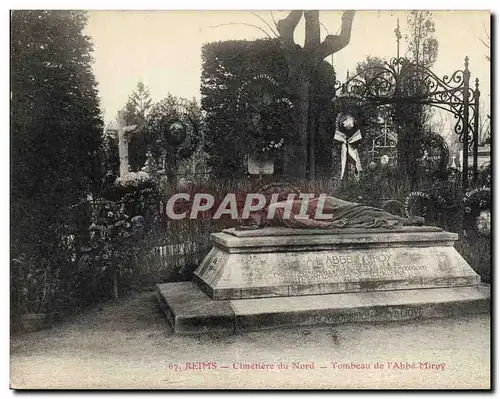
{"x":350,"y":111}
{"x":175,"y":126}
{"x":348,"y":134}
{"x":265,"y":113}
{"x":175,"y":132}
{"x":477,"y":218}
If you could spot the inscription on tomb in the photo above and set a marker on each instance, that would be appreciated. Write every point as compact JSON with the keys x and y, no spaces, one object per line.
{"x":347,"y":267}
{"x":211,"y":265}
{"x":391,"y":314}
{"x":363,"y":260}
{"x":347,"y":274}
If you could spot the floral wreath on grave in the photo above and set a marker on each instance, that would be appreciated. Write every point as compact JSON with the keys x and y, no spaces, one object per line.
{"x":438,"y":198}
{"x":477,"y":213}
{"x":263,"y":108}
{"x":417,"y":203}
{"x":178,"y":129}
{"x":348,"y":131}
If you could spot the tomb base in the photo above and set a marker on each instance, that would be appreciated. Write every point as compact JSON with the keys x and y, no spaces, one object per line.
{"x":274,"y":277}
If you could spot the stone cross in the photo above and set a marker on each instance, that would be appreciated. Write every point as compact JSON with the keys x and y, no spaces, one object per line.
{"x":453,"y":163}
{"x":125,"y":133}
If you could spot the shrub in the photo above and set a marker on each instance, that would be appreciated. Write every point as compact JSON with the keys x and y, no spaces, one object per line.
{"x":38,"y":286}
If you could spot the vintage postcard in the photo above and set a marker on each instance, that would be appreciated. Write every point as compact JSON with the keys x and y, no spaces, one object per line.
{"x":250,"y":199}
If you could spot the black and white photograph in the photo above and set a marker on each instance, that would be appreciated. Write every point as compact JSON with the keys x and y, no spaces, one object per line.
{"x":250,"y":199}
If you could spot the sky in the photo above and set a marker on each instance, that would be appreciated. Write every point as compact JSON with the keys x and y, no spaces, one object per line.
{"x":163,"y":48}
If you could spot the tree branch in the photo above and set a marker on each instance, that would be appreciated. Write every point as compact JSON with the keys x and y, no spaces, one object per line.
{"x":265,"y":22}
{"x":335,"y":43}
{"x":324,"y":26}
{"x":313,"y":38}
{"x":287,"y":26}
{"x":486,"y":32}
{"x":272,"y":16}
{"x":485,"y":44}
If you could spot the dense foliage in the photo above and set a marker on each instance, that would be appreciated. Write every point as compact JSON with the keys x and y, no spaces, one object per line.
{"x":248,"y":104}
{"x":55,"y":134}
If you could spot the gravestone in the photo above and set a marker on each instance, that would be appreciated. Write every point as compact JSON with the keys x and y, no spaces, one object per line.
{"x":272,"y":277}
{"x":260,"y":166}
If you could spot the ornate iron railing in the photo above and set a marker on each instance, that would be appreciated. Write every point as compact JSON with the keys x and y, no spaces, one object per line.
{"x":400,"y":81}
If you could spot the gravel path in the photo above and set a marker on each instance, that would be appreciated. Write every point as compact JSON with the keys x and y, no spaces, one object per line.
{"x":128,"y":344}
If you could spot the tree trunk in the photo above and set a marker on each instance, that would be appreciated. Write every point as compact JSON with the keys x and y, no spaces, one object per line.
{"x":303,"y":63}
{"x":296,"y":151}
{"x":313,"y":125}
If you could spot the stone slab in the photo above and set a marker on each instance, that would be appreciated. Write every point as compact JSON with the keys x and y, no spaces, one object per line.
{"x":255,"y":314}
{"x":286,"y":231}
{"x":223,"y":275}
{"x":190,"y":311}
{"x":314,"y":242}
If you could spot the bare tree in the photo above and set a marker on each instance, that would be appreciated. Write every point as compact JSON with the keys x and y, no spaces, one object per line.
{"x":486,"y":43}
{"x":303,"y":63}
{"x":422,"y":43}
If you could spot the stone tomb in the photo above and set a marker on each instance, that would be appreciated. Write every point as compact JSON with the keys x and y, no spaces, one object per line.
{"x":263,"y":278}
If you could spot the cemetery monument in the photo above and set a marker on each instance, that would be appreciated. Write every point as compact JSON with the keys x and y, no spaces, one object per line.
{"x":365,"y":265}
